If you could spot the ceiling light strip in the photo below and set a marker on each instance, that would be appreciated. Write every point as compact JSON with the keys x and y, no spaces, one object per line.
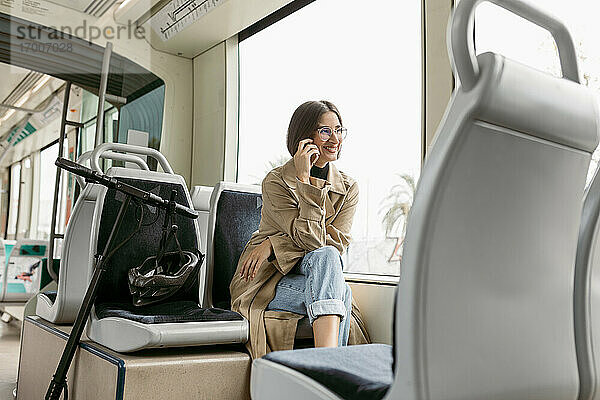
{"x":107,"y":5}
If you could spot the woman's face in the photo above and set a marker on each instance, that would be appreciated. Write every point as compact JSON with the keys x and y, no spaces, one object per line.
{"x":329,"y":149}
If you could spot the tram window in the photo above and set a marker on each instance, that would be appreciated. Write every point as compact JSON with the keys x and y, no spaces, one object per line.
{"x":111,"y":119}
{"x":48,"y":174}
{"x":88,"y":136}
{"x":111,"y":131}
{"x":15,"y":190}
{"x":533,"y":46}
{"x":88,"y":116}
{"x":373,"y":75}
{"x":4,"y":195}
{"x":61,"y":219}
{"x":143,"y":114}
{"x":25,"y":199}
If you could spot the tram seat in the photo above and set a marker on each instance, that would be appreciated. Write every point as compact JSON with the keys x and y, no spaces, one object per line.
{"x":587,"y":294}
{"x":181,"y":320}
{"x":484,"y":308}
{"x":236,"y":212}
{"x":61,"y":306}
{"x":235,"y":215}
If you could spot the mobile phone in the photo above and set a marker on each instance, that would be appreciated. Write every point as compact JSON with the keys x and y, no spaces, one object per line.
{"x":313,"y":159}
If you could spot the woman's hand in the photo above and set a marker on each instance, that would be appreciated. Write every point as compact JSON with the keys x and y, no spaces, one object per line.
{"x":306,"y":156}
{"x":255,"y":259}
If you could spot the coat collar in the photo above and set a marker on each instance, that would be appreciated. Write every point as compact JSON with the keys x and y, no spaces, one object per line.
{"x":334,"y":177}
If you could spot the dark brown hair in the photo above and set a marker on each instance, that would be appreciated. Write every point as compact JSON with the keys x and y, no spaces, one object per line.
{"x":305,"y":121}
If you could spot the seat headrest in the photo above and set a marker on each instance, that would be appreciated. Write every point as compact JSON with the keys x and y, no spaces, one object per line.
{"x":201,"y":197}
{"x":533,"y":102}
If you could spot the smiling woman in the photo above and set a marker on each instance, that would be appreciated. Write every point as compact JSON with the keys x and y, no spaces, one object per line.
{"x":292,"y":266}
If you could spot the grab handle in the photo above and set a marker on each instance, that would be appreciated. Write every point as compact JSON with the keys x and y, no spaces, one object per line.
{"x":462,"y":50}
{"x":110,"y":155}
{"x":128,"y":148}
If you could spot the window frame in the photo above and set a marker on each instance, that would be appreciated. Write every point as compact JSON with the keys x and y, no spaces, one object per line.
{"x":272,"y":18}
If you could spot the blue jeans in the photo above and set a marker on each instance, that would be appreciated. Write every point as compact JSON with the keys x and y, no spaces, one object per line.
{"x":316,"y":287}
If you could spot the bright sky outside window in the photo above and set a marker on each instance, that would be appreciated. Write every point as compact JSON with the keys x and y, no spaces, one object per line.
{"x":25,"y":199}
{"x":367,"y":61}
{"x":15,"y":190}
{"x":47,"y":175}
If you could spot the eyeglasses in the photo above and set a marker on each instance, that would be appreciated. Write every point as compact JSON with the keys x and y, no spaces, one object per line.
{"x":325,"y":132}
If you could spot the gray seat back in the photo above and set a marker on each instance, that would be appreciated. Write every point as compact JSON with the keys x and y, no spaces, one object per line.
{"x":484,"y":305}
{"x":114,"y":287}
{"x":587,"y":294}
{"x":76,"y":258}
{"x":235,"y":211}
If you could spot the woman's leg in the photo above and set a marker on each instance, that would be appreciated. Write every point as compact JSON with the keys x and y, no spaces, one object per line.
{"x":345,"y":324}
{"x":329,"y":331}
{"x":326,"y":331}
{"x":289,"y":295}
{"x":326,"y":296}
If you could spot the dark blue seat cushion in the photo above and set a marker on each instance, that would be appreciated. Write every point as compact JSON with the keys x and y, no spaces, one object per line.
{"x":353,"y":372}
{"x":238,"y":216}
{"x":162,"y":313}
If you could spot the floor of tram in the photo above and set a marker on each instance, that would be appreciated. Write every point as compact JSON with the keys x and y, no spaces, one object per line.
{"x":9,"y":357}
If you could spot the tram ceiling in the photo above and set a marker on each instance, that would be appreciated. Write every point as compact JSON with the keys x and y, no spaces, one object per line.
{"x":96,"y":8}
{"x":64,"y":56}
{"x":188,"y":28}
{"x":11,"y":77}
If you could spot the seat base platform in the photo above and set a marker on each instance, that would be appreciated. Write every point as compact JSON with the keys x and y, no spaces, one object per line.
{"x":100,"y":373}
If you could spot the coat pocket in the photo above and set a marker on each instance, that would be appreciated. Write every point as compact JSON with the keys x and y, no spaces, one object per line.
{"x":281,"y":329}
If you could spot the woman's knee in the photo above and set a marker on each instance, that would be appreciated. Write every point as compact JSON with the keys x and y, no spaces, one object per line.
{"x":324,"y":262}
{"x":324,"y":256}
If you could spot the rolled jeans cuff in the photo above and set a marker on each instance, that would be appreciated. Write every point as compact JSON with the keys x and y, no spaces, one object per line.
{"x":326,"y":307}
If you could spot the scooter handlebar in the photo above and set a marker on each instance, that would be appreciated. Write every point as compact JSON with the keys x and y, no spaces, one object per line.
{"x":114,"y":183}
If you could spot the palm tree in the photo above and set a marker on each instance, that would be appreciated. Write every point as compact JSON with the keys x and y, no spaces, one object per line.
{"x":397,"y":205}
{"x":277,"y":162}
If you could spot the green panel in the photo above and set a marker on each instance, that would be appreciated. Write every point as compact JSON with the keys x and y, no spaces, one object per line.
{"x":29,"y":128}
{"x":8,"y":248}
{"x":15,"y":288}
{"x":16,"y":135}
{"x":32,"y":250}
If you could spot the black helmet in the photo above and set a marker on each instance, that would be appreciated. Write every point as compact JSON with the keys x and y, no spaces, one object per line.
{"x":160,"y":277}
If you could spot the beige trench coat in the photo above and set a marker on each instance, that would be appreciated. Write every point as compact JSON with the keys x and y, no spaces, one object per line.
{"x":297,"y":218}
